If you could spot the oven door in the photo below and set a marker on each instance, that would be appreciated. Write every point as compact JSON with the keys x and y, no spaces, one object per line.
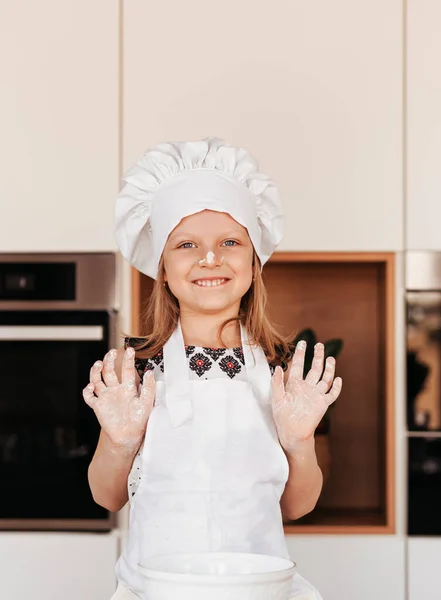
{"x":47,"y":432}
{"x":424,"y":485}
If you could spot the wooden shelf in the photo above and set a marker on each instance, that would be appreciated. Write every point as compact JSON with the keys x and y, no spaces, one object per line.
{"x":347,"y":295}
{"x":347,"y":520}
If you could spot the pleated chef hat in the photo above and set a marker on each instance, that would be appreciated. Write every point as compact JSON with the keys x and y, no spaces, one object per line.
{"x":174,"y":180}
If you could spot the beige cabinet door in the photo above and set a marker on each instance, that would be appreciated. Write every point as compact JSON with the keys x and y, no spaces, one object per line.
{"x":59,"y":124}
{"x":353,"y":567}
{"x":61,"y":565}
{"x":313,"y":89}
{"x":423,"y":122}
{"x":423,"y":561}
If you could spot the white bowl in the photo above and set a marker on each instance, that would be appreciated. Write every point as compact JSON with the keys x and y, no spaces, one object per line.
{"x":217,"y":576}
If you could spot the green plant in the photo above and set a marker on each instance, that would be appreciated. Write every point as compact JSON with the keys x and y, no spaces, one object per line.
{"x":333,"y":348}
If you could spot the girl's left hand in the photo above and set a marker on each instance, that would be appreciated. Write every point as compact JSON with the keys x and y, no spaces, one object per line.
{"x":299,"y":406}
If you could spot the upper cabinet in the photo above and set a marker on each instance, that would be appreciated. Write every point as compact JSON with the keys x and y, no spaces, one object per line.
{"x":59,"y":126}
{"x":313,"y":89}
{"x":423,"y":125}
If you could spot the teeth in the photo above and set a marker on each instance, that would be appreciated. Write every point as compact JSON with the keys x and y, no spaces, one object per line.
{"x":209,"y":283}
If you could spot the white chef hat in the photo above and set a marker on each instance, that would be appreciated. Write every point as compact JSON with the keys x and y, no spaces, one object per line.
{"x":174,"y":180}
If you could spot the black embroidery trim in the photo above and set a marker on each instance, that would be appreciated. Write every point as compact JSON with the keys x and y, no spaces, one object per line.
{"x":148,"y":364}
{"x":214,"y":353}
{"x":142,"y":365}
{"x":158,"y":358}
{"x":238,"y":353}
{"x":230,"y":366}
{"x":200,"y":364}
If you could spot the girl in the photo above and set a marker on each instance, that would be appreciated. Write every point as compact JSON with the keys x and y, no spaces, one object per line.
{"x":208,"y":427}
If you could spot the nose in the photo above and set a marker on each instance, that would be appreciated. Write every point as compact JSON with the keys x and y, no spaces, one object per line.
{"x":210,"y":260}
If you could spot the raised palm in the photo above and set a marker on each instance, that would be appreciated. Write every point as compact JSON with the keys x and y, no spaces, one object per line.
{"x":120,"y":410}
{"x":299,"y":406}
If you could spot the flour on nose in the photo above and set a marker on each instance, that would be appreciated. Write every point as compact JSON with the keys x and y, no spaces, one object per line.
{"x":209,"y":258}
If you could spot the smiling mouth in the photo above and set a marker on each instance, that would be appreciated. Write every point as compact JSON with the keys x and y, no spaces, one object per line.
{"x":211,"y":282}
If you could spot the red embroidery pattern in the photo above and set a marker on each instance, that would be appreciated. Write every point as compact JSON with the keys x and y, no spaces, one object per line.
{"x":200,"y":364}
{"x":230,"y":366}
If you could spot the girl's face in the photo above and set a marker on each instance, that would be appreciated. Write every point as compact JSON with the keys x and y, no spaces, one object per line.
{"x":217,"y":283}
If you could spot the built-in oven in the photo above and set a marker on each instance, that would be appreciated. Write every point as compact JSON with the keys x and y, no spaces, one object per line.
{"x":57,"y":317}
{"x":423,"y":299}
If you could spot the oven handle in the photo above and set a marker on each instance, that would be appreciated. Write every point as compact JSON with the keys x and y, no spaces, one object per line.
{"x":63,"y":333}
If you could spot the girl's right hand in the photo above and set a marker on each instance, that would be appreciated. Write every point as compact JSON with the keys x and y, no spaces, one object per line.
{"x":121,"y":412}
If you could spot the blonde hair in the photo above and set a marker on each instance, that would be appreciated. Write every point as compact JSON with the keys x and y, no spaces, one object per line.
{"x":161,"y":314}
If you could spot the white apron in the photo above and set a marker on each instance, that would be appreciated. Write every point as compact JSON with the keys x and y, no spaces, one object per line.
{"x":213,"y":470}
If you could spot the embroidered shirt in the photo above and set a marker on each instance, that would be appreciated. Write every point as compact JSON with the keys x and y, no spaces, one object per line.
{"x":203,"y":363}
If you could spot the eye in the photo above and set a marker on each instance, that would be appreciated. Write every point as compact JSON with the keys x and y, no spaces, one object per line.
{"x":186,"y":245}
{"x":231,"y":243}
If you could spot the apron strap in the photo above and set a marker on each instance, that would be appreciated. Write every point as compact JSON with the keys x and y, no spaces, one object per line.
{"x":177,"y":377}
{"x":177,"y":380}
{"x":257,"y":369}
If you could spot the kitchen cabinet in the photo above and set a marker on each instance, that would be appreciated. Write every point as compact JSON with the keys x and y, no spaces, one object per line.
{"x":353,"y":567}
{"x":423,"y":125}
{"x":59,"y":123}
{"x":423,"y":568}
{"x":58,"y":565}
{"x":312,"y":89}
